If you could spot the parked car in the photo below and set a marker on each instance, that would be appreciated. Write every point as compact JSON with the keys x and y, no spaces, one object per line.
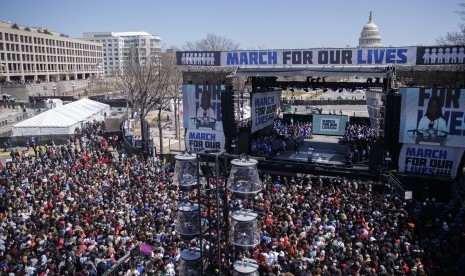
{"x":7,"y":98}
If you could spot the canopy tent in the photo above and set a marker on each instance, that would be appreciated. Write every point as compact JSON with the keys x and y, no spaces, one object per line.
{"x":62,"y":120}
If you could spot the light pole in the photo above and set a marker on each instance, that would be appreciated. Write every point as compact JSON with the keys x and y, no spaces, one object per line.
{"x":73,"y":84}
{"x":54,"y":88}
{"x":88,"y":86}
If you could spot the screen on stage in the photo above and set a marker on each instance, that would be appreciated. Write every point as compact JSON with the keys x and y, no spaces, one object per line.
{"x":432,"y":116}
{"x":329,"y":124}
{"x":430,"y":160}
{"x":264,"y":109}
{"x":202,"y":106}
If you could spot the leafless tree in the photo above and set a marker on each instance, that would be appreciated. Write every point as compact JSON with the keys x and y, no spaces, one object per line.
{"x":147,"y":83}
{"x":211,"y":43}
{"x":457,"y":37}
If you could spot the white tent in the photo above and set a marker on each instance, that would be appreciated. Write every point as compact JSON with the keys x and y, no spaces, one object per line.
{"x":62,"y":120}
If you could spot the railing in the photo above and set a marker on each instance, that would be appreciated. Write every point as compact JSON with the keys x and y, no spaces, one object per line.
{"x":394,"y":183}
{"x":119,"y":265}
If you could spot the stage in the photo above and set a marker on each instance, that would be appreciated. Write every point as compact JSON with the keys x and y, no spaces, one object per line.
{"x":326,"y":150}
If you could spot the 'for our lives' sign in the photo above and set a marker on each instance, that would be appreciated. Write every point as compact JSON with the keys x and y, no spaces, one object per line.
{"x":204,"y":139}
{"x":430,"y":160}
{"x":264,"y":108}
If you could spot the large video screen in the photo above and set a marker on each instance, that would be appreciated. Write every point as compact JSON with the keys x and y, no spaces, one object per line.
{"x":329,"y":124}
{"x":264,"y":109}
{"x":433,"y":116}
{"x":202,"y":106}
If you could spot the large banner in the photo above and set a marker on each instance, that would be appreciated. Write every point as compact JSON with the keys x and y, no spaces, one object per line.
{"x":203,"y":139}
{"x":375,"y":106}
{"x":302,"y":57}
{"x":430,"y":160}
{"x":202,"y":106}
{"x":433,"y":116}
{"x":264,"y":109}
{"x":329,"y":124}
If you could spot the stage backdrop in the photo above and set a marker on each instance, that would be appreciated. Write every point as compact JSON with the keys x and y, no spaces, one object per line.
{"x":264,"y":109}
{"x":416,"y":128}
{"x":329,"y":124}
{"x":202,"y":117}
{"x":430,"y":160}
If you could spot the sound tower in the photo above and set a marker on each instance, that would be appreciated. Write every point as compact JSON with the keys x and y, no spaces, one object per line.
{"x":392,"y":125}
{"x":227,"y":113}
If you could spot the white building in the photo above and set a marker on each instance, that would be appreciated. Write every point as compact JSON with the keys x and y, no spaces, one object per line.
{"x":117,"y":47}
{"x":370,"y":36}
{"x":37,"y":54}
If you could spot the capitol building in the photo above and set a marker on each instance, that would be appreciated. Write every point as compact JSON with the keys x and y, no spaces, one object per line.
{"x":370,"y":36}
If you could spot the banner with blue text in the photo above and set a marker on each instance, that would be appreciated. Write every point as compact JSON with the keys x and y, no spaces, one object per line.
{"x":430,"y":160}
{"x":197,"y":140}
{"x":304,"y":57}
{"x":433,"y":116}
{"x":202,"y":106}
{"x":264,"y":109}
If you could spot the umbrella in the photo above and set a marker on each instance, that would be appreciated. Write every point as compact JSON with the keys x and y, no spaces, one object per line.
{"x":146,"y":249}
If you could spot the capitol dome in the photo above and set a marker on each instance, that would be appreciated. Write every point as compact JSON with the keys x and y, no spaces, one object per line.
{"x":370,"y":36}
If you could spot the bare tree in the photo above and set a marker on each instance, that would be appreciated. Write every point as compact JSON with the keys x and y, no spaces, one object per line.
{"x":146,"y":83}
{"x":211,"y":43}
{"x":457,"y":37}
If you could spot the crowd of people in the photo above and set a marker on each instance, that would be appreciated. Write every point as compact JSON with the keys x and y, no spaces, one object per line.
{"x":358,"y":137}
{"x":283,"y":136}
{"x":78,"y":208}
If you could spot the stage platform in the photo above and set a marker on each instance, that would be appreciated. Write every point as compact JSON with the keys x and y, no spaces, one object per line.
{"x":329,"y":159}
{"x":326,"y":150}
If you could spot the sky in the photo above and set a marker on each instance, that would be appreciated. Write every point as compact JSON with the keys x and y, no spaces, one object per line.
{"x":253,"y":24}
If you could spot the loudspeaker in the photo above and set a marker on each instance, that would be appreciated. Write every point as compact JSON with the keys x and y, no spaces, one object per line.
{"x":243,"y":143}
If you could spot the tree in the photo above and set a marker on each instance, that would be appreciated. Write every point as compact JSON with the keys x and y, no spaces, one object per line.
{"x":457,"y":37}
{"x":211,"y":43}
{"x":146,"y":82}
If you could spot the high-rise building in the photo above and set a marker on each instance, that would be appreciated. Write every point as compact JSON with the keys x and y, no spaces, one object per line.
{"x":370,"y":36}
{"x":117,"y":47}
{"x":37,"y":54}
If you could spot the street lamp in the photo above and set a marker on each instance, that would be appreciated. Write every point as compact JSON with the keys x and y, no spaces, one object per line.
{"x":73,"y":84}
{"x":54,"y":88}
{"x":88,"y":86}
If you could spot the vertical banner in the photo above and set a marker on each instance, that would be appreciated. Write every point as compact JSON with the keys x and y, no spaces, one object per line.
{"x":202,"y":106}
{"x":430,"y":160}
{"x":374,"y":105}
{"x":329,"y":124}
{"x":264,"y":109}
{"x":202,"y":117}
{"x":433,"y":116}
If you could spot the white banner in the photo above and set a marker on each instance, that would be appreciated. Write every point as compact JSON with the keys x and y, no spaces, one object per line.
{"x":202,"y":106}
{"x":430,"y":160}
{"x":199,"y":140}
{"x":264,"y":109}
